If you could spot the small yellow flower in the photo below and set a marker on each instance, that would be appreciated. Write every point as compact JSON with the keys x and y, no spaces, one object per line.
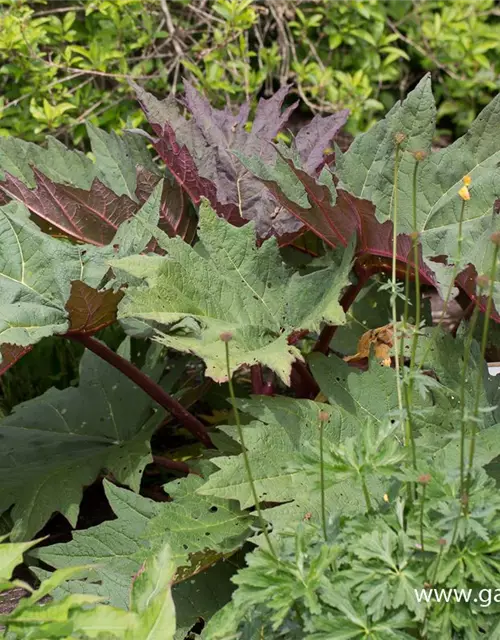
{"x":386,"y":497}
{"x":464,"y":193}
{"x":467,"y":180}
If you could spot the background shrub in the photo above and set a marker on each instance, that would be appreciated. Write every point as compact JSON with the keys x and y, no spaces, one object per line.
{"x":62,"y":62}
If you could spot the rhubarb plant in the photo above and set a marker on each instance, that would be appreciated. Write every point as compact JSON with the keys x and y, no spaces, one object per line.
{"x":306,"y":482}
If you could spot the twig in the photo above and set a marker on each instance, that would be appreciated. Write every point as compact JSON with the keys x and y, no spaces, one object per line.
{"x":153,"y":389}
{"x":170,"y":28}
{"x":48,"y":12}
{"x":205,"y":15}
{"x":284,"y":43}
{"x":13,"y":103}
{"x":422,"y":51}
{"x":94,"y":72}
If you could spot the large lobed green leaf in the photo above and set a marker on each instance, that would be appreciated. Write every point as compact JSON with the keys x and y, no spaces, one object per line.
{"x":54,"y":445}
{"x":228,"y":284}
{"x":198,"y":529}
{"x":151,"y":616}
{"x":36,"y":272}
{"x":49,"y":286}
{"x":367,"y":171}
{"x":361,"y":202}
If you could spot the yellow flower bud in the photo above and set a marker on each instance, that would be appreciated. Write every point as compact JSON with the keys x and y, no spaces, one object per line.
{"x":467,"y":180}
{"x":464,"y":193}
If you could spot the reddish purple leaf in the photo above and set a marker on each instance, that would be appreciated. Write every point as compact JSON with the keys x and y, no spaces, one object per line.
{"x":336,"y":224}
{"x":312,"y":140}
{"x":466,"y":280}
{"x":90,"y":310}
{"x":11,"y":353}
{"x":175,"y":218}
{"x":94,"y":215}
{"x":91,"y":216}
{"x":200,"y":153}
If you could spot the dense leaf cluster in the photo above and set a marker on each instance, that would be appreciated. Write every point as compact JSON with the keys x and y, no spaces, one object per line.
{"x":352,"y":482}
{"x":63,"y":64}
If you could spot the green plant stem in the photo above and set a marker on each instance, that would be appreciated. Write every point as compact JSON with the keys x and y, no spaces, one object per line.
{"x":438,"y":561}
{"x":465,"y":365}
{"x":409,"y":435}
{"x":433,"y":580}
{"x":153,"y":389}
{"x":393,"y":277}
{"x":322,"y":479}
{"x":452,"y":281}
{"x":479,"y":379}
{"x":422,"y":504}
{"x":416,"y":260}
{"x":366,"y":494}
{"x":246,"y":460}
{"x":414,"y":343}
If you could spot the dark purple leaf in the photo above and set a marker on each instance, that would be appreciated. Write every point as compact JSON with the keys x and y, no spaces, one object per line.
{"x":312,"y":140}
{"x":94,"y":215}
{"x":201,"y":153}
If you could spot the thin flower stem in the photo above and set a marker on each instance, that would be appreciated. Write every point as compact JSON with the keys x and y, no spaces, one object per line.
{"x":452,"y":282}
{"x":393,"y":278}
{"x":153,"y":389}
{"x":322,"y":478}
{"x":246,"y":460}
{"x":415,"y":335}
{"x":417,"y":274}
{"x":422,"y":504}
{"x":466,"y":358}
{"x":479,"y":379}
{"x":406,"y":313}
{"x":442,"y":543}
{"x":409,"y":436}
